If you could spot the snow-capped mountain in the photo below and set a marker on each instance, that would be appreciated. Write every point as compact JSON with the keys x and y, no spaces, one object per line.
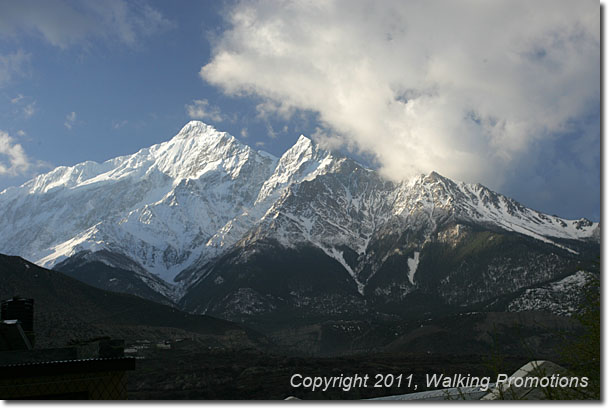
{"x":183,"y":215}
{"x":159,"y":206}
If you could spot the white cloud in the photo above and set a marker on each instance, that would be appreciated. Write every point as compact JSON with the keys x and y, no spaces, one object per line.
{"x":201,"y":109}
{"x":244,"y":133}
{"x":26,"y":105}
{"x":17,"y":99}
{"x":271,"y":133}
{"x":13,"y":159}
{"x":64,"y":23}
{"x":271,"y":108}
{"x":29,"y":109}
{"x":70,"y":120}
{"x":467,"y":88}
{"x":119,"y":124}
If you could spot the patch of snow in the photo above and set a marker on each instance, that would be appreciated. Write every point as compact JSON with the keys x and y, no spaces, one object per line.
{"x":338,"y":256}
{"x":413,"y":263}
{"x":562,"y":297}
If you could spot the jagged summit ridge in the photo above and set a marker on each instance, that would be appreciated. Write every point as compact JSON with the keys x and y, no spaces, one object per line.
{"x":162,"y":206}
{"x":183,"y":203}
{"x":195,"y":129}
{"x":186,"y":155}
{"x":477,"y":203}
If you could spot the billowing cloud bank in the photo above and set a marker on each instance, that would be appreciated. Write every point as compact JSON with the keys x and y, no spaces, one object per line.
{"x":472,"y":89}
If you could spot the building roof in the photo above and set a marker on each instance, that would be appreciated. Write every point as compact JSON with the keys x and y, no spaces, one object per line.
{"x":45,"y":368}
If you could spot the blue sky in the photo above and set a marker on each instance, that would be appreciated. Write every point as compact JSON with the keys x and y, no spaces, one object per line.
{"x":473,"y":90}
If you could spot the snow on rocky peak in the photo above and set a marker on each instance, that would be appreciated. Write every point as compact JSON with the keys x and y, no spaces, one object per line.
{"x":196,"y":129}
{"x":157,"y":206}
{"x":199,"y":148}
{"x":303,"y":161}
{"x":166,"y":207}
{"x":476,"y":203}
{"x":185,"y":201}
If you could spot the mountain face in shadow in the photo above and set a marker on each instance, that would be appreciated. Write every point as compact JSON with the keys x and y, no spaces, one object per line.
{"x":67,"y":309}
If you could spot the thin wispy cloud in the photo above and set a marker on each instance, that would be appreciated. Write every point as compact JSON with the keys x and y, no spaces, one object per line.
{"x":17,"y":99}
{"x":271,"y":108}
{"x":203,"y":110}
{"x":119,"y":124}
{"x":64,"y":23}
{"x":24,"y":105}
{"x":70,"y":120}
{"x":29,"y":109}
{"x":13,"y":65}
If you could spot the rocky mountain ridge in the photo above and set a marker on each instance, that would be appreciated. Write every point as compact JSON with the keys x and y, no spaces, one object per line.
{"x":206,"y":222}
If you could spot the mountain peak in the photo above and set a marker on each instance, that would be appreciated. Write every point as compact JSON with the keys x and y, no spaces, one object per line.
{"x":429,"y":178}
{"x":434,"y":176}
{"x":194,"y":129}
{"x":303,"y":140}
{"x":302,"y":145}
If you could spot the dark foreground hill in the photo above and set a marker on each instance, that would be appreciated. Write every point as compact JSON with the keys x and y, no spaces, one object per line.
{"x":222,"y":360}
{"x":66,"y":309}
